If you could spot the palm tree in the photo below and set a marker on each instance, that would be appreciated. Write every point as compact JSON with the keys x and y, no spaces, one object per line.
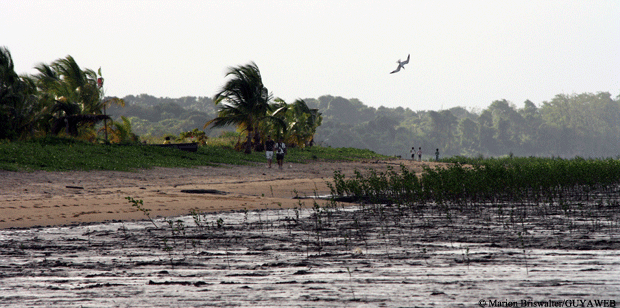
{"x":305,"y":122}
{"x":8,"y":95}
{"x":298,"y":122}
{"x":71,"y":94}
{"x":245,"y":101}
{"x":19,"y":109}
{"x":279,"y":128}
{"x":8,"y":77}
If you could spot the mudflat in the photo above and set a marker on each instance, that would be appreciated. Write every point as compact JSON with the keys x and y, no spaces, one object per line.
{"x":78,"y":242}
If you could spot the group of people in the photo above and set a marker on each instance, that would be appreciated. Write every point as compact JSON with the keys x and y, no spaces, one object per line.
{"x":419,"y":153}
{"x":280,"y":149}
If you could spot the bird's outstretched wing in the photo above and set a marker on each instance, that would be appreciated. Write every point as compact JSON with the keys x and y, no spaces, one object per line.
{"x":401,"y":64}
{"x":406,"y":61}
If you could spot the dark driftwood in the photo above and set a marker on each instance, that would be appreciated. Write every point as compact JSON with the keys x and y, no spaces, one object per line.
{"x":203,"y":191}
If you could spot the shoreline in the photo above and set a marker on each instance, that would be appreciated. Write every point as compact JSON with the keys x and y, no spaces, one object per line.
{"x":41,"y":198}
{"x":332,"y":256}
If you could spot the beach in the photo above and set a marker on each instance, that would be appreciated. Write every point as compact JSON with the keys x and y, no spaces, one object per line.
{"x":235,"y":236}
{"x":42,"y":198}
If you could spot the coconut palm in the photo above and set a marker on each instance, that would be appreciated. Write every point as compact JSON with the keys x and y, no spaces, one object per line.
{"x":19,"y":109}
{"x":8,"y":77}
{"x":72,"y":95}
{"x":298,"y":122}
{"x":304,"y":123}
{"x":279,"y":128}
{"x":8,"y":95}
{"x":65,"y":78}
{"x":245,"y":102}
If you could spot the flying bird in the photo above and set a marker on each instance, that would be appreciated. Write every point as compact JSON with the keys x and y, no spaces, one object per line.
{"x":401,"y":64}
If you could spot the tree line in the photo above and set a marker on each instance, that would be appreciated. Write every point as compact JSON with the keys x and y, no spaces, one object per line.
{"x":60,"y":99}
{"x":586,"y":125}
{"x":64,"y":99}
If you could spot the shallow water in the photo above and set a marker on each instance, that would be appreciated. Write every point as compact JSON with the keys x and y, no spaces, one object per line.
{"x":318,"y":258}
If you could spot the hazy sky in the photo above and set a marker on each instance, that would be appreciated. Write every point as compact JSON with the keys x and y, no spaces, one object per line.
{"x":463,"y":53}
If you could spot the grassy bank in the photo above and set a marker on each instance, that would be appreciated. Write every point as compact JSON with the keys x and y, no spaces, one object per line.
{"x":59,"y":154}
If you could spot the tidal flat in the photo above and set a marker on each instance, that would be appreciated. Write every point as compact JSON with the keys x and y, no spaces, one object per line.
{"x":322,"y":256}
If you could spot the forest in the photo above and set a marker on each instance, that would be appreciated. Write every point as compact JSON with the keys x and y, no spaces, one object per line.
{"x":65,"y":99}
{"x":585,"y":125}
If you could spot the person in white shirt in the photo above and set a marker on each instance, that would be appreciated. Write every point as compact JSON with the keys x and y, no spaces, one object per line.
{"x":280,"y":151}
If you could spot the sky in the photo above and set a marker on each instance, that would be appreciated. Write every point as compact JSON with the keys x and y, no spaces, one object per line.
{"x":463,"y":53}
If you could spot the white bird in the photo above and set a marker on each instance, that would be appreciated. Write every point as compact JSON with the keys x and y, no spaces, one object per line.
{"x":401,"y":64}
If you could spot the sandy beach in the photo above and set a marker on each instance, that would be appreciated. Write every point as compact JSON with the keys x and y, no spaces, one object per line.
{"x":43,"y":198}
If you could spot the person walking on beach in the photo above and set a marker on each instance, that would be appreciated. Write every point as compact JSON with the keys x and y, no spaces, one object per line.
{"x":269,"y":144}
{"x":420,"y":154}
{"x":437,"y":155}
{"x":412,"y":153}
{"x":280,"y":151}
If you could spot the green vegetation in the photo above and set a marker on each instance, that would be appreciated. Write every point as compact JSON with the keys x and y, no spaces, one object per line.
{"x":519,"y":203}
{"x":63,"y":99}
{"x":515,"y":197}
{"x":63,"y":154}
{"x":586,"y":125}
{"x":246,"y":104}
{"x":531,"y":180}
{"x":582,"y":124}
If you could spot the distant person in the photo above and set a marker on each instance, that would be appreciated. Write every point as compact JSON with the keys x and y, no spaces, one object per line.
{"x":167,"y":141}
{"x":420,"y":154}
{"x":280,"y":151}
{"x":269,"y":144}
{"x":412,"y":153}
{"x":437,"y":155}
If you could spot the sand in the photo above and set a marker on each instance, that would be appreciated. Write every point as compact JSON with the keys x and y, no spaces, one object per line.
{"x":43,"y":198}
{"x":100,"y":251}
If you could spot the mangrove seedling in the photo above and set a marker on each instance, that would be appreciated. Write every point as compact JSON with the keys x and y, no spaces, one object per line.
{"x":139,"y":204}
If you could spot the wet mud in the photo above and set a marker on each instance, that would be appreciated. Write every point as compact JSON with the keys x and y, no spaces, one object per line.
{"x":321,"y":255}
